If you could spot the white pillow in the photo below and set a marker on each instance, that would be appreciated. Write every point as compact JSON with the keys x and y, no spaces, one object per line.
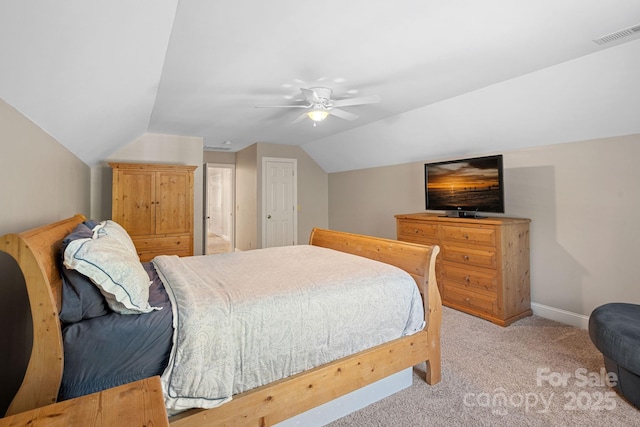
{"x":118,"y":274}
{"x":113,"y":229}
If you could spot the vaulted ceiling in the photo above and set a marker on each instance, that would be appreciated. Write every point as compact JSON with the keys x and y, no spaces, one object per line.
{"x":454,"y":77}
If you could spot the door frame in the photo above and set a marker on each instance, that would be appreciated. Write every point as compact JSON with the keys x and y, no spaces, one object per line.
{"x":294,"y":197}
{"x":205,"y":218}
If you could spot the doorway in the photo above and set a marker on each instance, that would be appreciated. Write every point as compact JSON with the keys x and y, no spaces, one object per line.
{"x":219,"y":202}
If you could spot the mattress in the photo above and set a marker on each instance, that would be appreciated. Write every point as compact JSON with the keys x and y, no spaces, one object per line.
{"x":242,"y":320}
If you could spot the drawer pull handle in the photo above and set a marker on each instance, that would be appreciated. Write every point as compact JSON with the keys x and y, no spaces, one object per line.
{"x":465,"y":257}
{"x":467,"y":299}
{"x":467,"y":279}
{"x":466,"y":236}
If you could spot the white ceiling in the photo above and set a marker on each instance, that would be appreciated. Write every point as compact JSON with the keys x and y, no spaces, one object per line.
{"x":454,"y":77}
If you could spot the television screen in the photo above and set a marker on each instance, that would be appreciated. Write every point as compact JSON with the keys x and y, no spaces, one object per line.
{"x":465,"y":185}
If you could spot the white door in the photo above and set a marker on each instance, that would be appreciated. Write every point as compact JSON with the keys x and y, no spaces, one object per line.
{"x":279,"y":200}
{"x":219,"y":202}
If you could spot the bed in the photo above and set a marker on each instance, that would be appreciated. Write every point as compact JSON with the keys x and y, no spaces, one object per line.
{"x":37,"y":251}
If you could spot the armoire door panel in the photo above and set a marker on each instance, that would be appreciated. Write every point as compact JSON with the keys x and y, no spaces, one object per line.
{"x":172,"y":195}
{"x":136,"y":212}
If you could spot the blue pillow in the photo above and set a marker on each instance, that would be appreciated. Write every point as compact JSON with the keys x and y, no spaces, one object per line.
{"x":81,"y":299}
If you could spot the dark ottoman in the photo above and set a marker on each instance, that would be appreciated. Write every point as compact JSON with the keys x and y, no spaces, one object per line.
{"x":614,"y":329}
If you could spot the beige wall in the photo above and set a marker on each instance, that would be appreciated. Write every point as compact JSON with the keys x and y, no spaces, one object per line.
{"x":312,"y":193}
{"x":364,"y":201}
{"x":219,"y":157}
{"x":40,"y":180}
{"x":153,"y":148}
{"x":582,"y":199}
{"x":246,"y":198}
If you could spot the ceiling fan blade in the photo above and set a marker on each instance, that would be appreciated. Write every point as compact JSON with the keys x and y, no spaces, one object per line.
{"x":343,"y":114}
{"x":311,"y":95}
{"x":300,"y":118}
{"x":356,"y":101}
{"x":283,"y":106}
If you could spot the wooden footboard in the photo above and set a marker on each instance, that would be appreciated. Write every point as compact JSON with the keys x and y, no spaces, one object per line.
{"x":276,"y":402}
{"x":417,"y":260}
{"x":36,"y":252}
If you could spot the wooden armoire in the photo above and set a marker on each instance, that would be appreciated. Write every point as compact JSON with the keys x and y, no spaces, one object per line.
{"x":154,"y":203}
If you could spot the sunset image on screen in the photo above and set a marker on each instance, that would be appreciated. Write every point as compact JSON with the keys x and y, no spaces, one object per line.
{"x":462,"y":176}
{"x":473,"y":184}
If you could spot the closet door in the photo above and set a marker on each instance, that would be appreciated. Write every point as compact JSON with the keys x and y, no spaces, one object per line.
{"x":134,"y":201}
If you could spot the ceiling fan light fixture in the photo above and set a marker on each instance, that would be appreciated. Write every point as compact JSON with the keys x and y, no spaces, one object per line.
{"x":318,"y":115}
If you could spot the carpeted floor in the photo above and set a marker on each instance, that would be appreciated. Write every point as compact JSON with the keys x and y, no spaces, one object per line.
{"x":536,"y":372}
{"x":217,"y":244}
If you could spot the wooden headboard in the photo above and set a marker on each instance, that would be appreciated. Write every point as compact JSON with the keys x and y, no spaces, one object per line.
{"x":37,"y":253}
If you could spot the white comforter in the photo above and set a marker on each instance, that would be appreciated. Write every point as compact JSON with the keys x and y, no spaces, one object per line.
{"x":246,"y":319}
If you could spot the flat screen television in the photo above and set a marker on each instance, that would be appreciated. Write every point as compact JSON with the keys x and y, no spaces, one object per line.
{"x":465,"y":187}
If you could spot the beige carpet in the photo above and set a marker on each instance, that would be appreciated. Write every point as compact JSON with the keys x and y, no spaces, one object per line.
{"x":217,"y":244}
{"x":536,"y":372}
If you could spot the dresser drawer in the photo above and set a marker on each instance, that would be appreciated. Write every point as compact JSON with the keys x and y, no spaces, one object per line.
{"x":418,"y":232}
{"x":471,"y":256}
{"x":471,"y":300}
{"x":477,"y":236}
{"x":148,"y":256}
{"x":470,"y":278}
{"x":167,"y":245}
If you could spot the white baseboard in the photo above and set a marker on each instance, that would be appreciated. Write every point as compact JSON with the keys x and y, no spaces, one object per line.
{"x":563,"y":316}
{"x":351,"y":402}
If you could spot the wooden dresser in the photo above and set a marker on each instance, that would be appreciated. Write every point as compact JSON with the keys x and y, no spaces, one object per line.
{"x":154,"y":203}
{"x":483,"y":267}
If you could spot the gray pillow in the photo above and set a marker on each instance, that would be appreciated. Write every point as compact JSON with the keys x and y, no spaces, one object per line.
{"x":81,"y":299}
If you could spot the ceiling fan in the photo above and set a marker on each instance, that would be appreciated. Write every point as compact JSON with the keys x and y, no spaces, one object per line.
{"x":321,"y":105}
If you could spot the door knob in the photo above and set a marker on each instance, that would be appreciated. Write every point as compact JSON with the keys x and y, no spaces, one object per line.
{"x":268,"y":216}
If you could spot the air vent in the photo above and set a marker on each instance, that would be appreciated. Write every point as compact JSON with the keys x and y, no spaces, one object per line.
{"x":618,"y":35}
{"x":210,"y":148}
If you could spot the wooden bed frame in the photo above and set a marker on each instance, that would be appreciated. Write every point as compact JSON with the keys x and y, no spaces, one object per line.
{"x":36,"y":252}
